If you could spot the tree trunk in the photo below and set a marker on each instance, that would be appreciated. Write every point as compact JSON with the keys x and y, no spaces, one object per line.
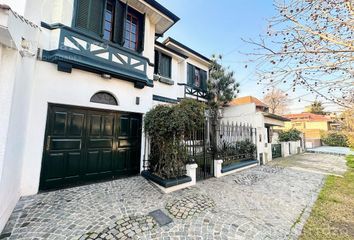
{"x":213,"y":132}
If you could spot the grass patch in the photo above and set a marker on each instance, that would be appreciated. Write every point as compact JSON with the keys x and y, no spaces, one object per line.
{"x":332,"y":216}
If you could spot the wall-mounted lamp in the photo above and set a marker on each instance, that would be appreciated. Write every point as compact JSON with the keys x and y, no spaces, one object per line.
{"x":106,"y":76}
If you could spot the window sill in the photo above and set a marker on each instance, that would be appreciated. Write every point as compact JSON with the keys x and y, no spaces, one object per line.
{"x":163,"y":79}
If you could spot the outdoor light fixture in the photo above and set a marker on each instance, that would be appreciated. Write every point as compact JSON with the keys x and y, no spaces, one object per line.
{"x":106,"y":76}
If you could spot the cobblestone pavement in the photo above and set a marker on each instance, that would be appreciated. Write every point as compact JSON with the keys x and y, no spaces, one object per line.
{"x":260,"y":203}
{"x":327,"y":164}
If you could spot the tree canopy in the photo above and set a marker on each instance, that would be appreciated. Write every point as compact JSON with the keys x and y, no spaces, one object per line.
{"x":277,"y":101}
{"x":317,"y":108}
{"x":309,"y":44}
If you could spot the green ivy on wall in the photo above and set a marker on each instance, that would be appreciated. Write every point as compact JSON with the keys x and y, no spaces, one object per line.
{"x":168,"y":127}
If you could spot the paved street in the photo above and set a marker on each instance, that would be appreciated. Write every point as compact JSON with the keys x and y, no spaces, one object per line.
{"x":267,"y":202}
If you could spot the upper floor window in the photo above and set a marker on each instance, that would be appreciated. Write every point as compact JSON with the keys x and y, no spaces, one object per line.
{"x":113,"y":21}
{"x":108,"y":20}
{"x":196,"y":77}
{"x":163,"y":64}
{"x":131,"y":32}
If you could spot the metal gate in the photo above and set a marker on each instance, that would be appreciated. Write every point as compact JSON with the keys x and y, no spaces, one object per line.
{"x":276,"y":150}
{"x":201,"y":153}
{"x":196,"y":144}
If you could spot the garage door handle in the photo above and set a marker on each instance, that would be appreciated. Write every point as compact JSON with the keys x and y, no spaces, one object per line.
{"x":48,"y":143}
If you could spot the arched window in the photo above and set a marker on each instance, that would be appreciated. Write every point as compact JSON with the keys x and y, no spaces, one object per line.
{"x":104,"y":98}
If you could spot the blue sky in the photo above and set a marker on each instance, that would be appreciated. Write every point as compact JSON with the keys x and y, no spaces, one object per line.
{"x":217,"y":27}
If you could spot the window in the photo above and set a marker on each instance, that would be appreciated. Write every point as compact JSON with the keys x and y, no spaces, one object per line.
{"x":108,"y":21}
{"x":104,"y":98}
{"x":163,"y":64}
{"x":196,"y":77}
{"x":113,"y":21}
{"x":131,"y":32}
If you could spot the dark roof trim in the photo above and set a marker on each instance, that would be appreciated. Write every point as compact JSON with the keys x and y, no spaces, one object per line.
{"x":5,"y":7}
{"x":169,"y":39}
{"x":162,"y":9}
{"x":170,"y":49}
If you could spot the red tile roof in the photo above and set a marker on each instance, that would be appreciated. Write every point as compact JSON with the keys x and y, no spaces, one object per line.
{"x":311,"y":117}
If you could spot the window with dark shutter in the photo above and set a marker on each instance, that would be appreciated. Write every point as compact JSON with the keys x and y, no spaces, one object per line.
{"x":112,"y":20}
{"x":190,"y":74}
{"x":196,"y":77}
{"x":203,"y":79}
{"x":163,"y":64}
{"x":89,"y":15}
{"x":119,"y":22}
{"x":157,"y":62}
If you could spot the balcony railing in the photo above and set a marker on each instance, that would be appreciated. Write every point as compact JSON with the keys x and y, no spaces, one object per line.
{"x":78,"y":49}
{"x":194,"y":92}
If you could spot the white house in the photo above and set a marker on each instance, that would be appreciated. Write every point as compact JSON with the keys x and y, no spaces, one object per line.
{"x":76,"y":78}
{"x":249,"y":110}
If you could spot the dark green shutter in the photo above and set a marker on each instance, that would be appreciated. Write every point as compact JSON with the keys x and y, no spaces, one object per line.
{"x":82,"y":13}
{"x":190,"y":74}
{"x":141,"y":33}
{"x":119,"y":23}
{"x":165,"y":65}
{"x":157,"y":63}
{"x":96,"y":16}
{"x":203,"y":79}
{"x":89,"y":15}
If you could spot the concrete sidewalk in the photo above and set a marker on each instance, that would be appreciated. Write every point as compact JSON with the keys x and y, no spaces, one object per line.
{"x":331,"y":150}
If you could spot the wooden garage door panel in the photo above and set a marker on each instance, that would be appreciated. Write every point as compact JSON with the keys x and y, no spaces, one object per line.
{"x":65,"y":144}
{"x":84,"y":144}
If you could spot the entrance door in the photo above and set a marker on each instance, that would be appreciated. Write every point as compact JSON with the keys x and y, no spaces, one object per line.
{"x":87,"y":144}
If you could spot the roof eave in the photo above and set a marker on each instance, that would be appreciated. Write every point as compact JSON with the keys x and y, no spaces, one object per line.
{"x":187,"y":49}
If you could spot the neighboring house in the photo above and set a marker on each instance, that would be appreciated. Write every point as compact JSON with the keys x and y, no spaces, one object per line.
{"x":250,"y":110}
{"x":311,"y":125}
{"x":77,"y":76}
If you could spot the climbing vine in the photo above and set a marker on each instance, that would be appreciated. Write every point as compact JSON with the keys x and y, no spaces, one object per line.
{"x":167,"y":127}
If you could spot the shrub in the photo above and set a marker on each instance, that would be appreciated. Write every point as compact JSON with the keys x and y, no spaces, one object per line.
{"x":290,"y":135}
{"x":241,"y":150}
{"x":337,"y":139}
{"x":167,"y":125}
{"x":350,"y":136}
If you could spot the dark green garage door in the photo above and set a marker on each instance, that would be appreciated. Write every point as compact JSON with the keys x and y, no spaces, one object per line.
{"x":87,"y":144}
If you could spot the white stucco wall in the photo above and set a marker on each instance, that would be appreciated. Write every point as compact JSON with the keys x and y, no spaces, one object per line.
{"x":247,"y":113}
{"x":9,"y":192}
{"x":16,"y":80}
{"x":75,"y":89}
{"x":27,"y":86}
{"x":17,"y":5}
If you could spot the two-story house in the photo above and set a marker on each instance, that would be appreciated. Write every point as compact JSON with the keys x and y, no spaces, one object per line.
{"x":77,"y":77}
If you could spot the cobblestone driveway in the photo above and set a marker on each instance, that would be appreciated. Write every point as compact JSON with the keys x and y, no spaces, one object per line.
{"x":260,"y":203}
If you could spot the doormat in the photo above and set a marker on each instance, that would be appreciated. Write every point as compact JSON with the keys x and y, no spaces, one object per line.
{"x":160,"y":217}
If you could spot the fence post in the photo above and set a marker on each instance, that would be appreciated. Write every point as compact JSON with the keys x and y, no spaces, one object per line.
{"x":217,"y":168}
{"x":191,"y":172}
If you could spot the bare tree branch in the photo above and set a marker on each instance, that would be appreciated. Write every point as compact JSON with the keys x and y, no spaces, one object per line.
{"x":310,"y":43}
